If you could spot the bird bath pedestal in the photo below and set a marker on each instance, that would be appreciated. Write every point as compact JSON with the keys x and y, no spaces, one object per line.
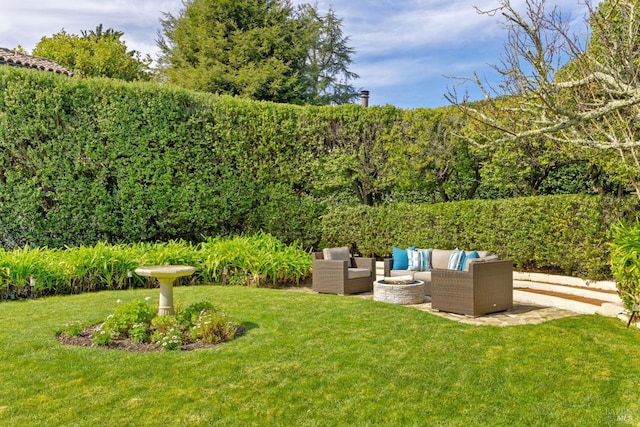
{"x":166,"y":275}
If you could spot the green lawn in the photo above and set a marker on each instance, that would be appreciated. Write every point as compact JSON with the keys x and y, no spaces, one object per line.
{"x":318,"y":360}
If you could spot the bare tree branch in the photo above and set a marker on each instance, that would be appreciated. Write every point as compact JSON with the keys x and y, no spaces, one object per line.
{"x":570,"y":88}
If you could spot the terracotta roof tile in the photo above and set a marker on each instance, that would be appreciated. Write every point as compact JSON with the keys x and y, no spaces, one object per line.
{"x":11,"y":57}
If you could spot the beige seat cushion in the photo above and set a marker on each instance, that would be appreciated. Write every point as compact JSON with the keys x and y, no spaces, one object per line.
{"x":357,"y":273}
{"x":425,"y":276}
{"x":440,"y":258}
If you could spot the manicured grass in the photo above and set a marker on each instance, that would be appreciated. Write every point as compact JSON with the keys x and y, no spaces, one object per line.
{"x":318,"y":360}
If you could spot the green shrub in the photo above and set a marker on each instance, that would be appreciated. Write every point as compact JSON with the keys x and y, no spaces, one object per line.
{"x":72,"y":329}
{"x":170,"y":340}
{"x":189,"y":316}
{"x":566,"y":233}
{"x":167,"y":332}
{"x":213,"y":328}
{"x":86,"y":161}
{"x":199,"y":322}
{"x":102,"y":160}
{"x":139,"y":332}
{"x":162,"y":324}
{"x":126,"y":315}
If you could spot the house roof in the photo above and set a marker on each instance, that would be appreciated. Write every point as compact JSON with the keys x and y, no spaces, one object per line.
{"x":18,"y":59}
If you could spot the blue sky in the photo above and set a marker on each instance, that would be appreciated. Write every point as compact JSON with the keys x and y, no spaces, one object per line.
{"x":404,"y":49}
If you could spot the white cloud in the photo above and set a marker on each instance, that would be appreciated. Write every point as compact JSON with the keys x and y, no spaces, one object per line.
{"x":421,"y":24}
{"x":404,"y":26}
{"x":26,"y":22}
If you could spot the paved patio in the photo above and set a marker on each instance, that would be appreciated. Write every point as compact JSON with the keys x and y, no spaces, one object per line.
{"x":520,"y":314}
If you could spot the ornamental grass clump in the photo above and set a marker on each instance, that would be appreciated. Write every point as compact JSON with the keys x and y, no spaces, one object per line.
{"x":27,"y":271}
{"x":258,"y":260}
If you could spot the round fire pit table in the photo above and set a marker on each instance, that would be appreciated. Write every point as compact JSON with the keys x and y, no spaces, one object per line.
{"x":411,"y":292}
{"x":166,"y":275}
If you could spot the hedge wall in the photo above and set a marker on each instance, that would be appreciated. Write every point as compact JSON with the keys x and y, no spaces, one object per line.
{"x":567,"y":233}
{"x":97,"y":160}
{"x":88,"y":160}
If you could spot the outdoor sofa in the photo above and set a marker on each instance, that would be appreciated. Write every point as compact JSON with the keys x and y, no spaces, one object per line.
{"x":470,"y":283}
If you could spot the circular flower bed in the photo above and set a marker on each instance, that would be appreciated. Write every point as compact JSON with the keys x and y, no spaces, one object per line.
{"x":133,"y":327}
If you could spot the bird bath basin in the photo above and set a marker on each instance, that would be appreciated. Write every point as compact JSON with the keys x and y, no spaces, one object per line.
{"x":166,"y":275}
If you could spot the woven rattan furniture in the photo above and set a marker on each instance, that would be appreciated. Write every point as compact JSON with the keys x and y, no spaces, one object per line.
{"x":339,"y":277}
{"x":486,"y":288}
{"x":439,"y":260}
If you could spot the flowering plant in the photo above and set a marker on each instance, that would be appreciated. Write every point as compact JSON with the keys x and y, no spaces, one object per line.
{"x":101,"y":336}
{"x":134,"y":320}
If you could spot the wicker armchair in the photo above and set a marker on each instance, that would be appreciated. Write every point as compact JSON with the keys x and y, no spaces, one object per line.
{"x":338,"y":276}
{"x":486,"y":288}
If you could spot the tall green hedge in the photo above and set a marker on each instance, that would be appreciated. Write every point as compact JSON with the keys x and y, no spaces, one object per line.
{"x":88,"y":160}
{"x":569,"y":233}
{"x":97,"y":160}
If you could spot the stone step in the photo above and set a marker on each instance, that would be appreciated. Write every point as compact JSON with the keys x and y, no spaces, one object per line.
{"x":568,"y":302}
{"x":565,"y":280}
{"x":571,"y":293}
{"x":579,"y":291}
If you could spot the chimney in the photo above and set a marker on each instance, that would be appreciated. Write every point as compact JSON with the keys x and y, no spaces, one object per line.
{"x":364,"y":98}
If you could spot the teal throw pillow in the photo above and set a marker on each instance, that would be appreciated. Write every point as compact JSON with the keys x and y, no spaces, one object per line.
{"x":470,"y":255}
{"x":400,"y":259}
{"x":461,"y":261}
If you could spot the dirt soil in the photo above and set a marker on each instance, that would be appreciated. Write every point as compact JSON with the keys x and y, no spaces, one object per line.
{"x":84,"y":340}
